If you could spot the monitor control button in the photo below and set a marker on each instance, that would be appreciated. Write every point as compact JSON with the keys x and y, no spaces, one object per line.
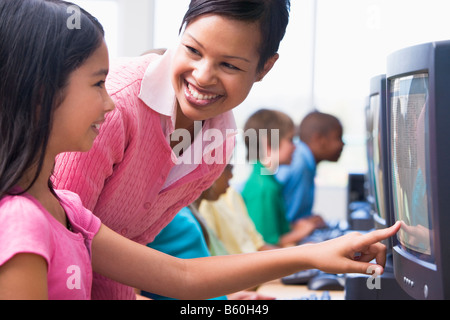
{"x":409,"y":282}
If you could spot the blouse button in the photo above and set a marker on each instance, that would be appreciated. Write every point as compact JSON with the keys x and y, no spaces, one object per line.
{"x":147,"y":205}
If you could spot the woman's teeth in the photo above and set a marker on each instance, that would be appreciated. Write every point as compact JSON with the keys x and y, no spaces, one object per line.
{"x":200,"y":96}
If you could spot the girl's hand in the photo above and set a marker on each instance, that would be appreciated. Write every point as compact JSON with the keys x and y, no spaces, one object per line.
{"x":353,"y":252}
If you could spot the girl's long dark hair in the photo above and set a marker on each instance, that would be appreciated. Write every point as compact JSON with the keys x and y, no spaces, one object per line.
{"x":40,"y":47}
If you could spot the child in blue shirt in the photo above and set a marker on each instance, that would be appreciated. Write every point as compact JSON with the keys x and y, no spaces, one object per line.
{"x":319,"y":138}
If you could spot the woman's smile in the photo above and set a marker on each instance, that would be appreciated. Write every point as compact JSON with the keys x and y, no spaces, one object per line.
{"x":200,"y":97}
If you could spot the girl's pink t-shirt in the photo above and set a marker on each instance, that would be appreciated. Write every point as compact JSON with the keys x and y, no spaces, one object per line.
{"x":26,"y":227}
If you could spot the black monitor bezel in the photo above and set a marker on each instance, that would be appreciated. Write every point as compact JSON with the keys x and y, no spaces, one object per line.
{"x":419,"y":279}
{"x":378,"y":87}
{"x":370,"y":196}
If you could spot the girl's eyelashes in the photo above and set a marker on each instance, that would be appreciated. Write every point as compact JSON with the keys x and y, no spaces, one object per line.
{"x":100,"y":84}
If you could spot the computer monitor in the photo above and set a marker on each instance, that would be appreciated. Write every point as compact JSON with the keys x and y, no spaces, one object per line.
{"x":378,"y":155}
{"x":360,"y":189}
{"x":418,"y":93}
{"x":379,"y":196}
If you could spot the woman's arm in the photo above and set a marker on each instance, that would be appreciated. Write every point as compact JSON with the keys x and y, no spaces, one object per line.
{"x":24,"y":277}
{"x":139,"y":266}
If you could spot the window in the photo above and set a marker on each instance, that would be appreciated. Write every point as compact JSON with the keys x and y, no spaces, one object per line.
{"x":354,"y":38}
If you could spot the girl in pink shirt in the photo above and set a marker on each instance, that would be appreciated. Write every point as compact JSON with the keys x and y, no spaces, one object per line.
{"x":53,"y":100}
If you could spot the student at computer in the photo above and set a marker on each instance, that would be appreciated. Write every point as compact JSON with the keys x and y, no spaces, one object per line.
{"x":225,"y":212}
{"x":318,"y":138}
{"x":268,"y":138}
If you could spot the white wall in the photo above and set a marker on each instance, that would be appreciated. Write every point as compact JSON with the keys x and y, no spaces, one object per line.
{"x":331,"y":202}
{"x":128,"y":24}
{"x":136,"y":31}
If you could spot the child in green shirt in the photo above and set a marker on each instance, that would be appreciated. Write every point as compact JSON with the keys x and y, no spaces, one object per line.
{"x":269,"y":141}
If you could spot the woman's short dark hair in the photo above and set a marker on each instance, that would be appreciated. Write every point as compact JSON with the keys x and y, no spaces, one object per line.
{"x":273,"y":16}
{"x":39,"y":49}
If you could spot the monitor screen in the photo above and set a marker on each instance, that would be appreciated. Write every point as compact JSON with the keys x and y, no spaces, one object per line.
{"x":410,"y":180}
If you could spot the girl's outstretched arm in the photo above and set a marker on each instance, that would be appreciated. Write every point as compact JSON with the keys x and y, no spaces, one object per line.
{"x":139,"y":266}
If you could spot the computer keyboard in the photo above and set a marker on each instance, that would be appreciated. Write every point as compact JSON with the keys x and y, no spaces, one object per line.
{"x":333,"y":230}
{"x":313,"y":296}
{"x":320,"y":235}
{"x":301,"y":277}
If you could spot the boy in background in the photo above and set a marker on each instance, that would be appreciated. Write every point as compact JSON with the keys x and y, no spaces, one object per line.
{"x":320,"y":139}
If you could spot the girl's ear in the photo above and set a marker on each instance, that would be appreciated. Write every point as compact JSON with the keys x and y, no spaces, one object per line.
{"x":267,"y":67}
